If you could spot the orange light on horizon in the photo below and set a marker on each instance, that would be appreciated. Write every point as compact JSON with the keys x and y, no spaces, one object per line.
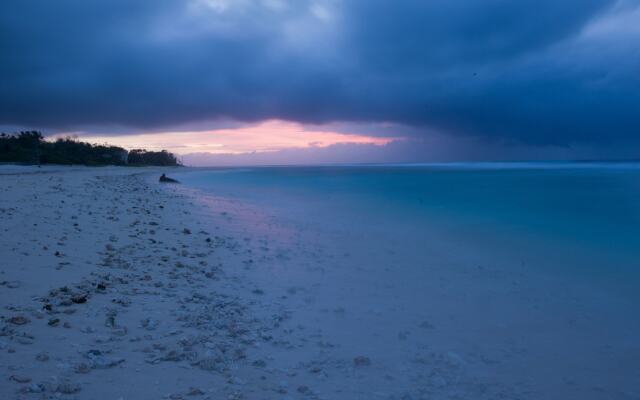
{"x":267,"y":136}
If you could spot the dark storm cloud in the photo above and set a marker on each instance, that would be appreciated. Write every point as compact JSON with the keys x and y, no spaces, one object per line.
{"x":419,"y":34}
{"x":531,"y":71}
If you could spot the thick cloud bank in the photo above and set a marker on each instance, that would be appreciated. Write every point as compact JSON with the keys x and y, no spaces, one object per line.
{"x":532,"y":71}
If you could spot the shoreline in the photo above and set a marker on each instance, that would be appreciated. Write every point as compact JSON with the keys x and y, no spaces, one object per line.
{"x":438,"y":314}
{"x":117,"y":287}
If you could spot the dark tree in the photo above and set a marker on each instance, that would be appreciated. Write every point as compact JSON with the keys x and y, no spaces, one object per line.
{"x":143,"y":157}
{"x":30,"y":147}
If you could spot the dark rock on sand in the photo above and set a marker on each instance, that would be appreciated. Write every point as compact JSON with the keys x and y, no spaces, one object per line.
{"x":19,"y":320}
{"x":11,"y":284}
{"x":20,"y":378}
{"x":193,"y":391}
{"x":165,"y":179}
{"x":81,"y":368}
{"x":66,"y":387}
{"x":361,"y":361}
{"x":79,"y":298}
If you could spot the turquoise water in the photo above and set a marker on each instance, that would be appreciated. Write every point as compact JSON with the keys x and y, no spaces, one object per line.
{"x":585,"y":217}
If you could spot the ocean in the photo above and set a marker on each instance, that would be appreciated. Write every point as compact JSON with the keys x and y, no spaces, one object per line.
{"x":584,"y":216}
{"x":518,"y":280}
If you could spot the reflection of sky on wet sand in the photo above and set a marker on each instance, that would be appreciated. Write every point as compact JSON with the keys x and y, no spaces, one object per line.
{"x":242,"y":219}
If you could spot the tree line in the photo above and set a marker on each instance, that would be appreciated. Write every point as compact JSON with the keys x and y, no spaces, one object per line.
{"x":30,"y":147}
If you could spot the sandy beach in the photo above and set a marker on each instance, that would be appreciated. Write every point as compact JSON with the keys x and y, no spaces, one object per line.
{"x":111,"y":290}
{"x":114,"y":286}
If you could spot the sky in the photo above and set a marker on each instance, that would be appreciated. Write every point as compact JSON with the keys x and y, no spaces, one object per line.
{"x":223,"y":82}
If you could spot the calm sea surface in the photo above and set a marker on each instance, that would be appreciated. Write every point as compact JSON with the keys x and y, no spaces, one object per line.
{"x":576,"y":218}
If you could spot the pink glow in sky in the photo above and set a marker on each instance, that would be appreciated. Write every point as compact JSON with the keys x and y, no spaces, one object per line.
{"x":266,"y":136}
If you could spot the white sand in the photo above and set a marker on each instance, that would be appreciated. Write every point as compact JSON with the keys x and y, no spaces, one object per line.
{"x":160,"y":319}
{"x":242,"y":305}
